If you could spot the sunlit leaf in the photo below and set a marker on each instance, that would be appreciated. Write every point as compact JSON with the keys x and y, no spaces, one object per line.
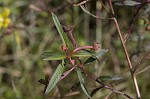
{"x":96,"y":56}
{"x":100,"y":53}
{"x":53,"y":56}
{"x":56,"y":77}
{"x":110,"y":78}
{"x":81,"y":79}
{"x":82,"y":54}
{"x":59,"y":28}
{"x":127,"y":3}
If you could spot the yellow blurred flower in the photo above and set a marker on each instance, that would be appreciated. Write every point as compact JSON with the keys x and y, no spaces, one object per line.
{"x":4,"y":20}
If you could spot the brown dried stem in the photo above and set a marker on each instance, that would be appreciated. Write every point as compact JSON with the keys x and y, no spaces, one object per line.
{"x":125,"y":51}
{"x":138,"y":64}
{"x":128,"y":59}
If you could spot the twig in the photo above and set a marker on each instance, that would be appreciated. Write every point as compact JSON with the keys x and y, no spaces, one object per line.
{"x":143,"y":70}
{"x":128,"y":59}
{"x":103,"y":85}
{"x":69,"y":30}
{"x":108,"y":95}
{"x":84,"y":9}
{"x":105,"y":8}
{"x":111,"y":7}
{"x":136,"y":67}
{"x":81,"y":3}
{"x":125,"y":50}
{"x":113,"y":90}
{"x":133,"y":20}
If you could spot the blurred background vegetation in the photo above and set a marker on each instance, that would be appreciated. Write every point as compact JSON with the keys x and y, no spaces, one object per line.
{"x":31,"y":31}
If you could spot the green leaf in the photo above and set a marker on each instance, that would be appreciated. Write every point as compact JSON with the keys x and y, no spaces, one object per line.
{"x":100,"y":53}
{"x":59,"y":28}
{"x":127,"y":3}
{"x":81,"y":79}
{"x":56,"y":76}
{"x":110,"y":78}
{"x":53,"y":56}
{"x":95,"y":56}
{"x":82,"y":54}
{"x":90,"y":60}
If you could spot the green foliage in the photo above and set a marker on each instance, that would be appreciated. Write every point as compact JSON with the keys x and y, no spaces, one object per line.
{"x":82,"y":54}
{"x":31,"y":32}
{"x":56,"y":77}
{"x":59,"y":28}
{"x":82,"y":83}
{"x":95,"y":56}
{"x":53,"y":56}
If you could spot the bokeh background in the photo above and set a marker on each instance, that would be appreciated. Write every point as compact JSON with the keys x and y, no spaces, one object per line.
{"x":31,"y":31}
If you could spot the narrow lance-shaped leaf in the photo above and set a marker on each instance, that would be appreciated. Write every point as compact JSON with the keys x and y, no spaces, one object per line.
{"x":56,"y":77}
{"x":81,"y":79}
{"x":100,"y":53}
{"x":59,"y":28}
{"x":82,"y":54}
{"x":96,"y":56}
{"x":127,"y":3}
{"x":110,"y":78}
{"x":90,"y":60}
{"x":53,"y":56}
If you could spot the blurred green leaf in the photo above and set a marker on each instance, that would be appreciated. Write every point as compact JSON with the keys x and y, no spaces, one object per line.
{"x":110,"y":78}
{"x":100,"y":53}
{"x":81,"y":79}
{"x":59,"y":28}
{"x":127,"y":3}
{"x":82,"y":54}
{"x":90,"y":60}
{"x":56,"y":77}
{"x":95,"y":56}
{"x":53,"y":56}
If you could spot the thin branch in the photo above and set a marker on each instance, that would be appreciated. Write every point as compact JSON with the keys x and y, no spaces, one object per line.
{"x":148,"y":67}
{"x":133,"y":20}
{"x":103,"y":85}
{"x":108,"y":95}
{"x":113,"y":90}
{"x":81,"y":3}
{"x":84,"y":71}
{"x":111,"y":7}
{"x":136,"y":67}
{"x":104,"y":7}
{"x":84,"y":9}
{"x":128,"y":59}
